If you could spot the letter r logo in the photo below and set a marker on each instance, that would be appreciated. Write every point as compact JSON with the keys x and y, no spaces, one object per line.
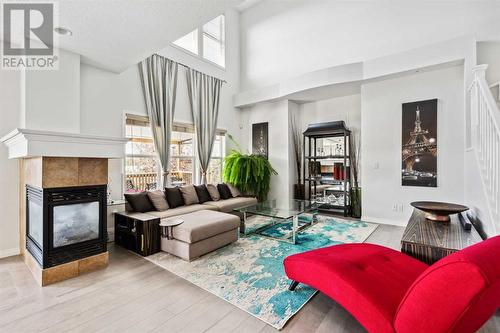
{"x":28,"y":29}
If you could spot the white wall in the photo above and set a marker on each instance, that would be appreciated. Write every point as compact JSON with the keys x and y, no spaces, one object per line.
{"x":10,"y":107}
{"x":381,"y":142}
{"x":104,"y":98}
{"x":52,"y":97}
{"x":280,"y":156}
{"x":282,"y":39}
{"x":489,"y":53}
{"x":346,"y":108}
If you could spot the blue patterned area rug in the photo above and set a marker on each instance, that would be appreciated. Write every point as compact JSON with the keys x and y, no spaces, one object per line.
{"x":249,"y":273}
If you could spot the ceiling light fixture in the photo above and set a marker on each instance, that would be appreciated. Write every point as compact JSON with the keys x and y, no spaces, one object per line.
{"x":63,"y":31}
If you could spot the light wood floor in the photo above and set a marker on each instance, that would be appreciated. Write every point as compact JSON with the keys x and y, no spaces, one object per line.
{"x":134,"y":295}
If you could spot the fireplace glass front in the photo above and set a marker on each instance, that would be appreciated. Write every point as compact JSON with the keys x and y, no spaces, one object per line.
{"x":35,"y":222}
{"x":75,"y":223}
{"x":65,"y":224}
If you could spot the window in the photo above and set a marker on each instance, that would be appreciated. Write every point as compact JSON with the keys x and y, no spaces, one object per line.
{"x":207,"y":42}
{"x":189,"y":42}
{"x":143,"y":169}
{"x":141,"y":163}
{"x":214,"y":172}
{"x":182,"y":157}
{"x":213,"y":41}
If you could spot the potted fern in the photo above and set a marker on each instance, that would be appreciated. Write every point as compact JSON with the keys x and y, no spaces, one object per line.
{"x":249,"y":173}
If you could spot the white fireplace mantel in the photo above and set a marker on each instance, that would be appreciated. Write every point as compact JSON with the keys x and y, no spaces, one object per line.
{"x":23,"y":143}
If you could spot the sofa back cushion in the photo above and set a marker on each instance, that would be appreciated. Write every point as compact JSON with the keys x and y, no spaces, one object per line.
{"x":174,"y":197}
{"x":224,"y":191}
{"x":457,"y":294}
{"x":139,"y":202}
{"x":214,"y":193}
{"x":202,"y":192}
{"x":234,"y":191}
{"x":158,"y":200}
{"x":189,"y":194}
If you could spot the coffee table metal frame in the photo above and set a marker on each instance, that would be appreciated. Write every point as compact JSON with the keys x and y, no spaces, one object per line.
{"x":277,"y":215}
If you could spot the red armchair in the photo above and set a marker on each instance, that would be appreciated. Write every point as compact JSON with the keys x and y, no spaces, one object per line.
{"x":387,"y":291}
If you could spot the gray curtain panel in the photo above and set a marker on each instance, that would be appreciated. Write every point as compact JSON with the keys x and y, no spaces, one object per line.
{"x":204,"y":97}
{"x":159,"y":85}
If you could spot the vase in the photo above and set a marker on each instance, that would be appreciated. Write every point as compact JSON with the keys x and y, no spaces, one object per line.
{"x":356,"y":202}
{"x":299,"y":191}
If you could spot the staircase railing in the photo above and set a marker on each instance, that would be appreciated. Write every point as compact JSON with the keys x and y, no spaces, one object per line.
{"x":485,"y":131}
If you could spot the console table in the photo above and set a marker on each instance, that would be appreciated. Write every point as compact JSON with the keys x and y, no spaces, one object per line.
{"x":138,"y":232}
{"x":429,"y":241}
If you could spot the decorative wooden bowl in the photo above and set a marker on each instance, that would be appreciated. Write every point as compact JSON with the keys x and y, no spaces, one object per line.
{"x":438,"y":211}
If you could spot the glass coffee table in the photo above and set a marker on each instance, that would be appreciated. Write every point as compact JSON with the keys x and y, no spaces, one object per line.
{"x":285,"y":219}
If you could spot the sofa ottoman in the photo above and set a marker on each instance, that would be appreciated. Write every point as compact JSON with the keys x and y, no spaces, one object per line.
{"x":201,"y":232}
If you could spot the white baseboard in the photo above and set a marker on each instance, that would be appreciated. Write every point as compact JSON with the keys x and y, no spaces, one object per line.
{"x":9,"y":252}
{"x":383,"y":221}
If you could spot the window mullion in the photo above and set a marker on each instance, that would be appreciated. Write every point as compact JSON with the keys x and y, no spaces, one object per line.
{"x":200,"y":42}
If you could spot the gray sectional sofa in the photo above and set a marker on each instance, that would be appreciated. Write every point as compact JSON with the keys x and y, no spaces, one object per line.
{"x":222,"y":205}
{"x":209,"y":220}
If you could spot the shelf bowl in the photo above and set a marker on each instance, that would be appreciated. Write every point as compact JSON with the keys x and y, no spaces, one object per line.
{"x":438,"y":211}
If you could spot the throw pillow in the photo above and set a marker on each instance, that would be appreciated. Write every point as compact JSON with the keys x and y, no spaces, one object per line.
{"x":174,"y":197}
{"x":202,"y":192}
{"x":189,"y":195}
{"x":224,"y":191}
{"x":158,"y":200}
{"x":139,"y":201}
{"x":234,"y":191}
{"x":214,"y":193}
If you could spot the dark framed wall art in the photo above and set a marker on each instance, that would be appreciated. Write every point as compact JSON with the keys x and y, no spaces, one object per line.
{"x":260,"y":139}
{"x":419,"y":144}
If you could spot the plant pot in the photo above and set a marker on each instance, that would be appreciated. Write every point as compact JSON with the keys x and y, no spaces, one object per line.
{"x":356,"y":202}
{"x":299,"y":191}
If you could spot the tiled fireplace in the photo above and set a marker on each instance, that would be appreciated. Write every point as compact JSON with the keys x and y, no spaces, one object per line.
{"x":65,"y":224}
{"x":62,"y":195}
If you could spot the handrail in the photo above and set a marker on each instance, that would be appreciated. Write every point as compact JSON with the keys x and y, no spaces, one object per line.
{"x":486,"y":138}
{"x":494,"y":84}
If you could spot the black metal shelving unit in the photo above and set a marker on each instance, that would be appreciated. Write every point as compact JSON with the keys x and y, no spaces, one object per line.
{"x":315,"y":133}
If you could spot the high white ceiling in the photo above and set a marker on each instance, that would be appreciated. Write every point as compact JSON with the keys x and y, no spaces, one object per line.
{"x":115,"y":34}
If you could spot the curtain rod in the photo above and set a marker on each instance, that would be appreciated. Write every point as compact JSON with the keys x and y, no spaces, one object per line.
{"x":186,"y":66}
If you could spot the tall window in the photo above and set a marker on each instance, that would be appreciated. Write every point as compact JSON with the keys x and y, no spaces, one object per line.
{"x":142,"y":167}
{"x":214,"y":172}
{"x":182,"y":157}
{"x":141,"y":162}
{"x":207,"y":42}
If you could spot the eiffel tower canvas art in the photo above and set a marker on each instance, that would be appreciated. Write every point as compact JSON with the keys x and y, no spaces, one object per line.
{"x":260,"y":140}
{"x":419,"y":144}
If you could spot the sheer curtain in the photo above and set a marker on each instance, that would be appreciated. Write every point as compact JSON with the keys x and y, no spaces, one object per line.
{"x":204,"y":98}
{"x":159,"y":85}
